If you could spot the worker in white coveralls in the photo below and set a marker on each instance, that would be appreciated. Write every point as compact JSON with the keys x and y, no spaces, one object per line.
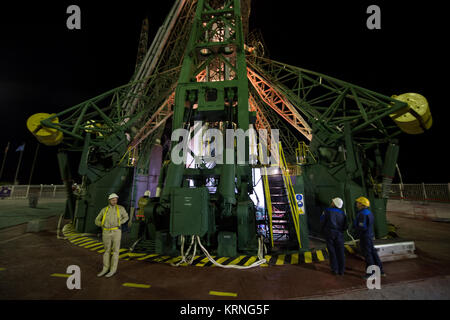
{"x":110,"y":219}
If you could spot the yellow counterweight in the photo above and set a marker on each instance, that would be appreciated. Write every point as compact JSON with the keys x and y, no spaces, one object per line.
{"x":45,"y":135}
{"x":415,"y":119}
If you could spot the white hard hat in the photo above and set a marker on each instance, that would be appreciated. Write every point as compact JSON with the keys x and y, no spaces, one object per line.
{"x":147,"y":193}
{"x":112,"y":196}
{"x":338,"y":202}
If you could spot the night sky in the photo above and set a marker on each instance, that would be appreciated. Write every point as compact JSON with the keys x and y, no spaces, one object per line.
{"x":44,"y":67}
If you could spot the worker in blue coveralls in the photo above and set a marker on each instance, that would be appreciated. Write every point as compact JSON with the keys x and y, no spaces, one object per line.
{"x":363,"y":225}
{"x":333,"y":225}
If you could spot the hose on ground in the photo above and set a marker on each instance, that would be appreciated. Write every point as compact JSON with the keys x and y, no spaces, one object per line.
{"x":353,"y":241}
{"x":254,"y":264}
{"x":185,"y":258}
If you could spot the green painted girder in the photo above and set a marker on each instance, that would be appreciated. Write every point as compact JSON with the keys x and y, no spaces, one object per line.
{"x":327,"y":103}
{"x":105,"y":109}
{"x":206,"y":47}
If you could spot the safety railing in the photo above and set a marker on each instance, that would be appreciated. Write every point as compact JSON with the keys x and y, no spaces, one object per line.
{"x":294,"y":169}
{"x":25,"y":191}
{"x":291,"y":194}
{"x":301,"y":153}
{"x":421,"y":192}
{"x":268,"y":203}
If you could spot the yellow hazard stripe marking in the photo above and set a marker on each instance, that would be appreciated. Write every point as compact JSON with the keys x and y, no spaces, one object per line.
{"x":93,"y":245}
{"x":83,"y":241}
{"x":74,"y":241}
{"x":73,"y":238}
{"x":148,"y":256}
{"x":280,"y":260}
{"x":173,"y":260}
{"x":203,"y":262}
{"x":87,"y":243}
{"x":223,"y":294}
{"x":349,"y":248}
{"x":79,"y":239}
{"x":136,"y":285}
{"x":250,"y":261}
{"x":60,"y":275}
{"x":131,"y":254}
{"x":308,"y":257}
{"x":73,"y":235}
{"x":267,"y":259}
{"x":161,"y":258}
{"x":184,"y":264}
{"x":80,"y":243}
{"x":320,"y":255}
{"x":220,"y":260}
{"x":236,"y":261}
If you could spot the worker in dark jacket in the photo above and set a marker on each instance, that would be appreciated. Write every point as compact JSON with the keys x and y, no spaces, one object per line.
{"x":334,"y":222}
{"x":363,"y":225}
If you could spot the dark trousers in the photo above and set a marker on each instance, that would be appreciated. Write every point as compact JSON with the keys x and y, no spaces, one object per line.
{"x":336,"y":251}
{"x":369,"y":252}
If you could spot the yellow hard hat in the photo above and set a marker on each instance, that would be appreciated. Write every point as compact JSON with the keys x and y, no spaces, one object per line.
{"x":364,"y":201}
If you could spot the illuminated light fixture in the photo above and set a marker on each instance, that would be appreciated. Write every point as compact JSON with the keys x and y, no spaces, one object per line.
{"x":205,"y":52}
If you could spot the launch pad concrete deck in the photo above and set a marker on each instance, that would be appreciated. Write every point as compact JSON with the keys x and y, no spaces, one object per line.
{"x":34,"y":266}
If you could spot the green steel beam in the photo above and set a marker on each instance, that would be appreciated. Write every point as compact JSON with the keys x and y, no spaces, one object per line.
{"x":327,"y":102}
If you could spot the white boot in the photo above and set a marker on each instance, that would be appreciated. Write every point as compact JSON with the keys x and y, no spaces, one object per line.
{"x":104,"y":271}
{"x":114,"y":263}
{"x":106,"y":264}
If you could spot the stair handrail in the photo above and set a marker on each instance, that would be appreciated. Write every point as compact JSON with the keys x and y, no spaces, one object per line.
{"x":290,"y":192}
{"x":268,"y":199}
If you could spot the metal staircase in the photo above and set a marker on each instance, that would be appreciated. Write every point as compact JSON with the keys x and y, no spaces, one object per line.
{"x":283,"y":229}
{"x":282,"y":210}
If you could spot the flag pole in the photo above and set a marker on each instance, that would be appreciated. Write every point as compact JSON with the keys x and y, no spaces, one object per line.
{"x":4,"y":160}
{"x":18,"y":164}
{"x":34,"y":162}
